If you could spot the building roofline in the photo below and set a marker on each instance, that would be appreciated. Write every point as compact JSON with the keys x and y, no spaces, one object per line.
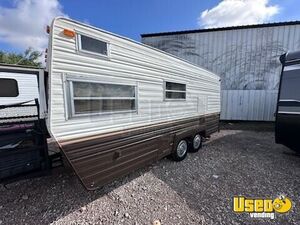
{"x":223,"y":28}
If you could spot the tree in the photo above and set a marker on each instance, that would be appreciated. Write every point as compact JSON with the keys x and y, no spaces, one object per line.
{"x":30,"y":57}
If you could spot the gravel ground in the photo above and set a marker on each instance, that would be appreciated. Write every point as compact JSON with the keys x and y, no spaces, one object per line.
{"x":240,"y":160}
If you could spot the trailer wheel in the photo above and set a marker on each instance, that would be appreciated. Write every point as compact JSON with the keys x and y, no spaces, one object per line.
{"x":196,"y":143}
{"x":180,"y":151}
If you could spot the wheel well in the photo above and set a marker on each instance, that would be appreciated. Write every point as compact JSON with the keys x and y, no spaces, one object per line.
{"x":203,"y":133}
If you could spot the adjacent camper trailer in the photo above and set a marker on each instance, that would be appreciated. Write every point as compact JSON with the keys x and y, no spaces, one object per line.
{"x":288,"y":107}
{"x":115,"y":105}
{"x":23,"y":135}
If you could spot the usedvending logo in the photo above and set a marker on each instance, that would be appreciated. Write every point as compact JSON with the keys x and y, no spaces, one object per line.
{"x":262,"y":208}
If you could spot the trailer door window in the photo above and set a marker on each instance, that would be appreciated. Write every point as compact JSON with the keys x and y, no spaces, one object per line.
{"x":175,"y":91}
{"x":8,"y":87}
{"x":98,"y":98}
{"x":91,"y":45}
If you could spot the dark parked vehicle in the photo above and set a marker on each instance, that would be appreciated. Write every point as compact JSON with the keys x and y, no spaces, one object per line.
{"x":287,"y":126}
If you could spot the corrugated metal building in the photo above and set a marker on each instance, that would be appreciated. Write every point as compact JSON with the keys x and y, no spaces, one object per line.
{"x":245,"y":57}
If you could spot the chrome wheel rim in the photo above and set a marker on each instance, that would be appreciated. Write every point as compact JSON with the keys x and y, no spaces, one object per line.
{"x":197,"y":141}
{"x":181,"y":148}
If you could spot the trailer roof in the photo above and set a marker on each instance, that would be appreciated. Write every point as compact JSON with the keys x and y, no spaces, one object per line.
{"x":131,"y":40}
{"x":20,"y":66}
{"x":222,"y":28}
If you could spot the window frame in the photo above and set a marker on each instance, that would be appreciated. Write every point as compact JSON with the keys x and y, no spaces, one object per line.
{"x":90,"y":53}
{"x":71,"y":98}
{"x":17,"y":86}
{"x":174,"y":91}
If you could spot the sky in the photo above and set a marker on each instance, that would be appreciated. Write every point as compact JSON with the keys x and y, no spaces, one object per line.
{"x":23,"y":22}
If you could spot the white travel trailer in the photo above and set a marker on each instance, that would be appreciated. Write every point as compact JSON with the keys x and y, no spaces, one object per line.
{"x":115,"y":104}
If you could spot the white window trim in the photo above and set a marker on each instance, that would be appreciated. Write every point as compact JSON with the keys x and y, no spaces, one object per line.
{"x":89,"y":53}
{"x":176,"y":91}
{"x":71,"y":98}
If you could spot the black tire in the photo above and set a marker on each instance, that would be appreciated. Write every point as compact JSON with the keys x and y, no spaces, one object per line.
{"x":196,"y":143}
{"x":180,"y":150}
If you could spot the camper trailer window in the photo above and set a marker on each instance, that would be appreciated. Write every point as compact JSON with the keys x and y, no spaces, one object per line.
{"x":175,"y":91}
{"x":8,"y":88}
{"x":92,"y":45}
{"x":95,"y":98}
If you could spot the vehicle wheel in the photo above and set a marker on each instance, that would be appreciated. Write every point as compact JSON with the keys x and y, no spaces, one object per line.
{"x":196,"y":143}
{"x":180,"y":151}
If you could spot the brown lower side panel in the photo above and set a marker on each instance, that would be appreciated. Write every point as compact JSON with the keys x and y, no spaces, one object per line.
{"x":99,"y":159}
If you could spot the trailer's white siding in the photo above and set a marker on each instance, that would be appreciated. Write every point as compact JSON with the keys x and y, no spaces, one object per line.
{"x":27,"y":87}
{"x":129,"y":62}
{"x":246,"y":58}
